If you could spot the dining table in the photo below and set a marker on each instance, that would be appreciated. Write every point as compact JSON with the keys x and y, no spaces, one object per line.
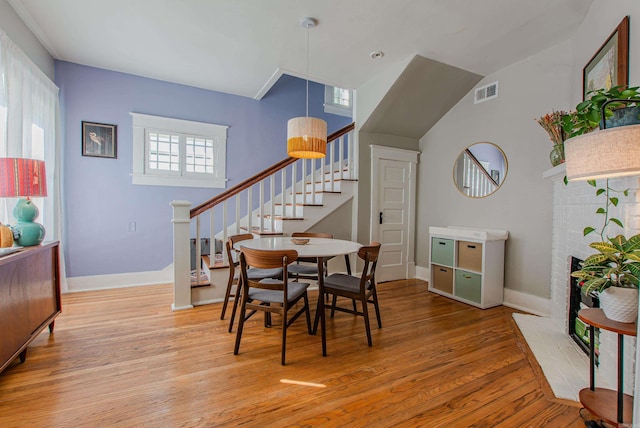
{"x":319,"y":248}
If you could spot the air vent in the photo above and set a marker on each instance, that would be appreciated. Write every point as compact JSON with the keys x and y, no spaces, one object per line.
{"x":486,"y":93}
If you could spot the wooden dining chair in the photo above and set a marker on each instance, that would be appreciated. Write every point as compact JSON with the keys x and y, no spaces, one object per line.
{"x":271,"y":295}
{"x":362,"y":289}
{"x":307,"y":267}
{"x":233,"y":283}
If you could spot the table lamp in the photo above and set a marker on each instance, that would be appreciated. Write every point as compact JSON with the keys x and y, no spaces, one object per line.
{"x":24,"y":178}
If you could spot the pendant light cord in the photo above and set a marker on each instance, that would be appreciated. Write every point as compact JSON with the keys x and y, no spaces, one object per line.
{"x":307,"y":71}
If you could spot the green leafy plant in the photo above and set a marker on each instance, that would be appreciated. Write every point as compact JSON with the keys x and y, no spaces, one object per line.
{"x":611,"y":200}
{"x":616,"y":264}
{"x":588,"y":114}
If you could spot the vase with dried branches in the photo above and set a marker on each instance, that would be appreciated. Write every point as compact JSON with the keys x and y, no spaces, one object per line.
{"x":552,"y":123}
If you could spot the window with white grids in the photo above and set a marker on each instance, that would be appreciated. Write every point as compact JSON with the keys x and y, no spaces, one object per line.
{"x":174,"y":152}
{"x":341,"y":97}
{"x":338,"y":101}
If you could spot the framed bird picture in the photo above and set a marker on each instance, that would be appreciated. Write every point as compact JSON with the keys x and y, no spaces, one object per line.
{"x":99,"y":140}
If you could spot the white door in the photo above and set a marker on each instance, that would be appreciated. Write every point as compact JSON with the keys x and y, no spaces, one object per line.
{"x":393,"y":211}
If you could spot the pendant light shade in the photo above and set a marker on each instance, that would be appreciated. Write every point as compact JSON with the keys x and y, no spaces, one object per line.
{"x":613,"y":152}
{"x":307,"y":136}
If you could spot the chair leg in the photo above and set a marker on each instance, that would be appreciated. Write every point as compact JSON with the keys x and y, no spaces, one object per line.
{"x":284,"y":333}
{"x":267,"y":318}
{"x":307,"y":313}
{"x":375,"y":305}
{"x":333,"y":305}
{"x":227,"y":295}
{"x":316,"y":318}
{"x":236,"y":300}
{"x":243,"y":309}
{"x":365,"y":312}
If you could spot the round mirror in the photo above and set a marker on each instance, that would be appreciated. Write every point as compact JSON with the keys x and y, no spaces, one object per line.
{"x":480,"y":170}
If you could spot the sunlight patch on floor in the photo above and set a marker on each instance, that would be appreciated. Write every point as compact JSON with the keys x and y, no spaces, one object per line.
{"x":299,"y":382}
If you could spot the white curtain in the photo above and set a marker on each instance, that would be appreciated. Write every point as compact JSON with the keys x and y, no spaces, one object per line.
{"x":29,"y":129}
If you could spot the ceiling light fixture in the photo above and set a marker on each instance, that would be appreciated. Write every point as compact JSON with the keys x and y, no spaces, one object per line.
{"x":376,"y":54}
{"x":307,"y":136}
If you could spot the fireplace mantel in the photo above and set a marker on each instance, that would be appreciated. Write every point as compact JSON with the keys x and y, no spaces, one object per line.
{"x":555,"y":172}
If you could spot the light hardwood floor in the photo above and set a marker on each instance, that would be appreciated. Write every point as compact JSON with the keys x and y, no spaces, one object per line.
{"x":122,"y":358}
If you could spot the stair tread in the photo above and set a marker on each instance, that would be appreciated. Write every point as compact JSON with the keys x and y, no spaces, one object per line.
{"x":215,"y":265}
{"x":279,"y":217}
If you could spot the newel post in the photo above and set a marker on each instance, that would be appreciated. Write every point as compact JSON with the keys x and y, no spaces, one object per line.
{"x":181,"y":255}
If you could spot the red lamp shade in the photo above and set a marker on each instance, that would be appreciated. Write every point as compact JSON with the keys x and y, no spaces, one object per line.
{"x":21,"y":177}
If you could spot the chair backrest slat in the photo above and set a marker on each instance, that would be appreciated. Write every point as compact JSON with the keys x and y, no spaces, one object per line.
{"x":369,"y":253}
{"x":266,"y":259}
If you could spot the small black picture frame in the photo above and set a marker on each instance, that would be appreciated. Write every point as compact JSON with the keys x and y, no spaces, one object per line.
{"x":99,"y":140}
{"x":495,"y":174}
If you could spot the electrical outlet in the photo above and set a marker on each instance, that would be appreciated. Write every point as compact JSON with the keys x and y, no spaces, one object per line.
{"x":132,"y":226}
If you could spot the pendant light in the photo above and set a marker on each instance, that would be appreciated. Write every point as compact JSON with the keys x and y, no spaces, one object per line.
{"x":307,"y":136}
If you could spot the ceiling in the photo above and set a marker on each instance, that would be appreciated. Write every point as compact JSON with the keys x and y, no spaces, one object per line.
{"x":243,"y":46}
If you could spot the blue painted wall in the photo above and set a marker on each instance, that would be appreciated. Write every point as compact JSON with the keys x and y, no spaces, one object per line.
{"x":100,"y":200}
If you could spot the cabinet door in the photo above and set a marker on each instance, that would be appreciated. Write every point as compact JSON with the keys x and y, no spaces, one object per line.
{"x":442,"y":278}
{"x":468,"y":286}
{"x":442,"y":251}
{"x":470,"y":256}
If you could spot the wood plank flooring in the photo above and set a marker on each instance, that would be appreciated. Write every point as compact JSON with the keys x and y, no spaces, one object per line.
{"x":121,"y":358}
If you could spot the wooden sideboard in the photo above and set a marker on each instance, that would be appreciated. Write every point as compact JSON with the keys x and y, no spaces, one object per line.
{"x":29,"y":298}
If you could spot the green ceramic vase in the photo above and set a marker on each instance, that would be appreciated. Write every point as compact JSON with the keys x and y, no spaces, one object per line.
{"x":557,"y":154}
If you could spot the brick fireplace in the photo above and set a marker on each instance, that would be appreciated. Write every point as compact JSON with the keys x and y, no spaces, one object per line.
{"x":574,"y":207}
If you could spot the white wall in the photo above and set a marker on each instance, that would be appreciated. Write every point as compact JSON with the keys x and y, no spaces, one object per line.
{"x":522,"y":205}
{"x":17,"y":31}
{"x":549,"y":80}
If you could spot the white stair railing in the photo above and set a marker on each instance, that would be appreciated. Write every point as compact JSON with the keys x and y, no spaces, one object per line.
{"x":476,"y":181}
{"x":283,"y":191}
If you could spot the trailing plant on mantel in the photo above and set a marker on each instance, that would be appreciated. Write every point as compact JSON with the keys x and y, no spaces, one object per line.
{"x":611,"y":200}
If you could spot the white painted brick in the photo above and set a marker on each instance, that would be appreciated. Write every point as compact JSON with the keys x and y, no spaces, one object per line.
{"x":574,"y":207}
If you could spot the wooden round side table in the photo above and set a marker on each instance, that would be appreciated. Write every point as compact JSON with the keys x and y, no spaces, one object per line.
{"x":602,"y":402}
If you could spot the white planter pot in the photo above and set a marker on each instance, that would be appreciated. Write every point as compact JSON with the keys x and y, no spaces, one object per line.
{"x":620,"y":304}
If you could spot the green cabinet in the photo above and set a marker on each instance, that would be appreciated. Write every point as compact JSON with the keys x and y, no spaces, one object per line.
{"x":442,"y":251}
{"x":468,"y":286}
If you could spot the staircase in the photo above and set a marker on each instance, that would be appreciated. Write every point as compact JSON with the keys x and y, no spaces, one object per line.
{"x":292,"y":195}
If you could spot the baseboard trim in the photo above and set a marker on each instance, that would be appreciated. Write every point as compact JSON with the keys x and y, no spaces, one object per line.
{"x":423,"y":273}
{"x":527,"y":302}
{"x":119,"y":280}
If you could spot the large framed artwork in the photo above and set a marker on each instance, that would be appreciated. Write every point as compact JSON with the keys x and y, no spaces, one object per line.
{"x":99,"y":140}
{"x":610,"y":65}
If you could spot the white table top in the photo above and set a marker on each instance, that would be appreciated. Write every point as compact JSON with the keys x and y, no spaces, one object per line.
{"x":317,"y":247}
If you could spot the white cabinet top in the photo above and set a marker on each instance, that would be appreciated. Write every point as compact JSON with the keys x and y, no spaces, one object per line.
{"x":461,"y":232}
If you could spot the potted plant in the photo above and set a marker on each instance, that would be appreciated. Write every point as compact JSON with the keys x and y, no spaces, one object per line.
{"x":588,"y":114}
{"x":613,"y":274}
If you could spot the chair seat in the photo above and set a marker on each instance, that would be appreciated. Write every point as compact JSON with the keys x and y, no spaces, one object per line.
{"x":255,"y":273}
{"x":296,"y":269}
{"x":340,"y":281}
{"x":295,"y":290}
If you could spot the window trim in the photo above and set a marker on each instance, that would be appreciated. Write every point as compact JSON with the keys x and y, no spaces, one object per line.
{"x":333,"y":108}
{"x":140,"y":175}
